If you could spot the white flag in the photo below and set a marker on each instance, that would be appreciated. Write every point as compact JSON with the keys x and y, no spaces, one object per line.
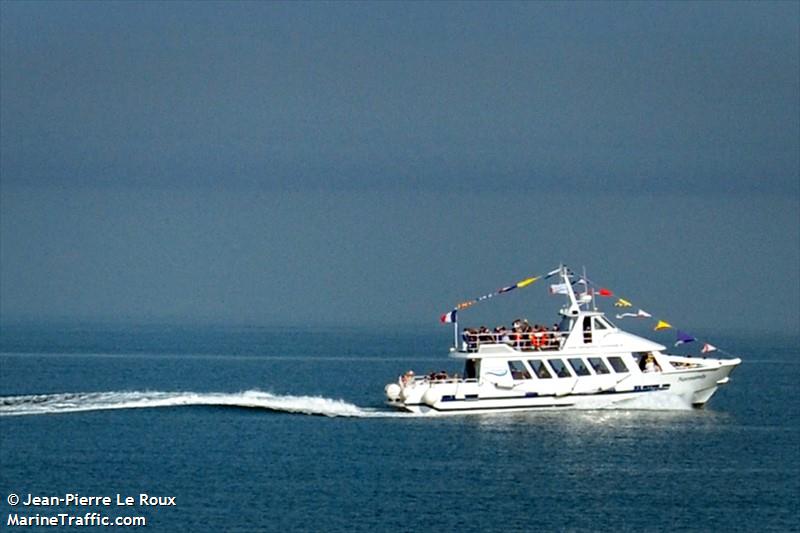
{"x":641,"y":314}
{"x":558,"y":288}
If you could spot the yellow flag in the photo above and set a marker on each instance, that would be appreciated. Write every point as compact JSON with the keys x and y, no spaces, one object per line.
{"x":622,"y":303}
{"x":526,"y":282}
{"x":662,"y":325}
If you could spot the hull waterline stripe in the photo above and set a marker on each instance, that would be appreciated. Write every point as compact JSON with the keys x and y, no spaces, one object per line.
{"x":424,"y":405}
{"x":641,"y":389}
{"x":656,"y":388}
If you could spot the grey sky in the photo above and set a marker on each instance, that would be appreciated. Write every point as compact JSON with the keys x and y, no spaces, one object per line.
{"x":269,"y":162}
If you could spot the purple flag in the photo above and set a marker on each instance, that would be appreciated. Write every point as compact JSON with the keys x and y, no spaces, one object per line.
{"x":684,"y":338}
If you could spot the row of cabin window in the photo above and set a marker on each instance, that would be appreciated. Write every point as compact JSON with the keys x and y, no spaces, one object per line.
{"x":559,"y":369}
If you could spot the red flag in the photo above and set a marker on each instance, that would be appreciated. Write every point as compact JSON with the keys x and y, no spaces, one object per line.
{"x":605,"y":292}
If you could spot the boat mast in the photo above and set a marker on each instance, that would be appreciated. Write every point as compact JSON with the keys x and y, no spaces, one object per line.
{"x":574,"y":307}
{"x":455,"y":332}
{"x":586,"y":284}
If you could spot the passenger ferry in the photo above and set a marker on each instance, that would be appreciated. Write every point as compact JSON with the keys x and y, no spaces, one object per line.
{"x":584,"y":362}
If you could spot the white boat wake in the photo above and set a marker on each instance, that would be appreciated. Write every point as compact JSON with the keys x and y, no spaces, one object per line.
{"x":100,"y":401}
{"x":75,"y":402}
{"x":655,"y":402}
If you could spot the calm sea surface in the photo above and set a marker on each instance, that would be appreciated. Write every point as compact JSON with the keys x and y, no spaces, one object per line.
{"x":223,"y":420}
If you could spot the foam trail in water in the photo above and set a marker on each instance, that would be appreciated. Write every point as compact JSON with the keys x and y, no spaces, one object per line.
{"x":655,"y":402}
{"x":100,"y":401}
{"x":311,"y":405}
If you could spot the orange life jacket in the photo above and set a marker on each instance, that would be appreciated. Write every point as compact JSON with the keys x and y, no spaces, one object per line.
{"x":537,"y":339}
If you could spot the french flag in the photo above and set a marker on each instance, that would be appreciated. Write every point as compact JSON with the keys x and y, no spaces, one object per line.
{"x":448,"y":317}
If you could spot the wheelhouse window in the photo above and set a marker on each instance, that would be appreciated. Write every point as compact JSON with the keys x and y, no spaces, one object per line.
{"x":578,"y":366}
{"x":599,"y":366}
{"x":540,"y":369}
{"x":566,"y":324}
{"x":618,"y":364}
{"x":559,"y":368}
{"x":607,"y":324}
{"x":600,"y":324}
{"x":518,"y":370}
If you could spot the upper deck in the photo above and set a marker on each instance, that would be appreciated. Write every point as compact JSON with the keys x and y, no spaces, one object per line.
{"x":587,"y":332}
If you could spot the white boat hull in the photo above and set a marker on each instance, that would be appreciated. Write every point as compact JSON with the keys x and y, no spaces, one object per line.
{"x":657,"y":390}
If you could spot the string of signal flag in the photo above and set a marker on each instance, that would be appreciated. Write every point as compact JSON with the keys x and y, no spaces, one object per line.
{"x":560,"y":288}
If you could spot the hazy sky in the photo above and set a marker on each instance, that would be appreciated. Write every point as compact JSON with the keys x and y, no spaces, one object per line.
{"x":350,"y":162}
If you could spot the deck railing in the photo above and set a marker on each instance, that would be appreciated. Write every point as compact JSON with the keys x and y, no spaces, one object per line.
{"x":436,"y":377}
{"x":526,"y":341}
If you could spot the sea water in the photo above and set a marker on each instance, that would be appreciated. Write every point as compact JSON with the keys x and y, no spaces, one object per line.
{"x":284,"y":429}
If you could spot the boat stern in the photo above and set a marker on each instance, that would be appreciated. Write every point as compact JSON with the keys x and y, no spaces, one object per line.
{"x":406,"y":393}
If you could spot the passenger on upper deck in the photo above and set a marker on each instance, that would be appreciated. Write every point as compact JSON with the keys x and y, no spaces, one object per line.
{"x":501,"y":334}
{"x":470,"y":338}
{"x":527,"y":334}
{"x":547,"y":339}
{"x":537,"y":337}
